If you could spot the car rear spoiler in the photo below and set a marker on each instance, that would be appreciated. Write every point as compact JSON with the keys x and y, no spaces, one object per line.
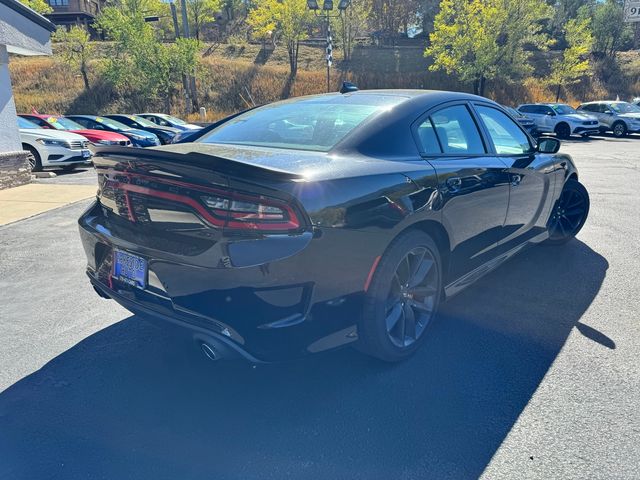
{"x":214,"y":163}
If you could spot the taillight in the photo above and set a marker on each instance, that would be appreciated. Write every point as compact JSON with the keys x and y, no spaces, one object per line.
{"x":248,"y":212}
{"x":222,"y":208}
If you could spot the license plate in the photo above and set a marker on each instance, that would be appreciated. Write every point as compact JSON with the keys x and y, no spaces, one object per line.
{"x":86,"y":153}
{"x":130,"y":269}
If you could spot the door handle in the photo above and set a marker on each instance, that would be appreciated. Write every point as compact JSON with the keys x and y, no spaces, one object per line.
{"x":454,"y":183}
{"x":515,"y":180}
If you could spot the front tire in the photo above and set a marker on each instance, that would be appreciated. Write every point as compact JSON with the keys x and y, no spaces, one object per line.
{"x":569,"y":213}
{"x":34,"y":158}
{"x":403,"y":298}
{"x":619,"y":129}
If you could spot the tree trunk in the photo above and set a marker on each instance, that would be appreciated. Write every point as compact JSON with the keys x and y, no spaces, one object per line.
{"x":85,"y":76}
{"x":476,"y":85}
{"x":292,"y":49}
{"x":482,"y":81}
{"x":558,"y":93}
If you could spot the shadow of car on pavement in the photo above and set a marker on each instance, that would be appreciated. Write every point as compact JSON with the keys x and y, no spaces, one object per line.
{"x":137,"y":400}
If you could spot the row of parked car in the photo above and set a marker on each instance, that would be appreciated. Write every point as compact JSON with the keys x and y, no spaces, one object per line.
{"x":63,"y":141}
{"x":619,"y":118}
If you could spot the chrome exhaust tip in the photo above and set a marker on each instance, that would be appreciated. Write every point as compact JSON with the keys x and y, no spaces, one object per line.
{"x":209,"y":352}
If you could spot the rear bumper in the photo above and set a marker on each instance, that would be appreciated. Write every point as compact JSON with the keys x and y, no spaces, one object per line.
{"x":204,"y":333}
{"x":304,"y":298}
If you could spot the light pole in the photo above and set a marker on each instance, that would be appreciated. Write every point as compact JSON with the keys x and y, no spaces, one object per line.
{"x":327,"y":7}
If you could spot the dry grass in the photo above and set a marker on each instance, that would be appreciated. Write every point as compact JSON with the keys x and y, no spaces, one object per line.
{"x":235,"y":76}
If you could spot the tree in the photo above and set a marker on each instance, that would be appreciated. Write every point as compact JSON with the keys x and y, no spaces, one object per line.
{"x":351,"y":24}
{"x":480,"y":40}
{"x":575,"y":58}
{"x":140,"y":65}
{"x":610,"y":32}
{"x":75,"y":49}
{"x":40,"y":6}
{"x":392,"y":16}
{"x":563,"y":11}
{"x":289,"y":19}
{"x":202,"y":12}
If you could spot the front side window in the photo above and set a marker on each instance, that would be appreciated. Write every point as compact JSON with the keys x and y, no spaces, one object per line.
{"x":507,"y":137}
{"x":457,"y":132}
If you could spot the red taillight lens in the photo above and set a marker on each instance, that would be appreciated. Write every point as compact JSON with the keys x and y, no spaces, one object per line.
{"x":222,"y":208}
{"x":253,"y":213}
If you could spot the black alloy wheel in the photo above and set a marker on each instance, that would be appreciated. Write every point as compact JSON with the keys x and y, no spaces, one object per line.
{"x":411,"y":298}
{"x":569,"y":214}
{"x":403,"y":298}
{"x":563,"y":130}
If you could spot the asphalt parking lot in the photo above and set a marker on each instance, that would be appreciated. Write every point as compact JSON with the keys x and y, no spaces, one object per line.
{"x":534,"y":372}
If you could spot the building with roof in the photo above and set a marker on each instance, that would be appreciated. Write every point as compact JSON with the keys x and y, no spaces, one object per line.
{"x":22,"y":32}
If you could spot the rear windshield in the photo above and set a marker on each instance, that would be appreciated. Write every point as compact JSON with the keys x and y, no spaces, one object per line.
{"x":304,"y":124}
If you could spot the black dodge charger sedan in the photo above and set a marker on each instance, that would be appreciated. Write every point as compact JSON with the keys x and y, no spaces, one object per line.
{"x":327,"y":220}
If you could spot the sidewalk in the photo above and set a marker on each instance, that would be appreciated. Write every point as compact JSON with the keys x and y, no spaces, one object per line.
{"x":28,"y":200}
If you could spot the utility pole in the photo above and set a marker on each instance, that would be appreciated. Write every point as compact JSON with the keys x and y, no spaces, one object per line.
{"x":187,"y":34}
{"x":329,"y":53}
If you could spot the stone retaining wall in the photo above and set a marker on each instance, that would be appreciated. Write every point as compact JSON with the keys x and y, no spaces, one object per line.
{"x":14,"y":169}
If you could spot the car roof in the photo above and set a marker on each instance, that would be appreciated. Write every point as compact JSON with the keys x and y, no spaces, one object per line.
{"x":91,"y":117}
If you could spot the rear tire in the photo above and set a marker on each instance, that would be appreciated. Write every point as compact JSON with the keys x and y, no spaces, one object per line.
{"x":34,"y":158}
{"x":403,"y":298}
{"x":562,"y":130}
{"x":569,"y":214}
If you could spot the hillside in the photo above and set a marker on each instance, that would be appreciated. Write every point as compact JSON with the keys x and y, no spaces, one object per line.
{"x":230,"y":71}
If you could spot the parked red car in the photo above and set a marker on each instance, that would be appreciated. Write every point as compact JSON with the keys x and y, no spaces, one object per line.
{"x":97,"y":137}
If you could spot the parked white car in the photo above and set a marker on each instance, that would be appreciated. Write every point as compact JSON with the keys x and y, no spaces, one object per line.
{"x":560,"y":119}
{"x":53,"y":148}
{"x":618,"y":117}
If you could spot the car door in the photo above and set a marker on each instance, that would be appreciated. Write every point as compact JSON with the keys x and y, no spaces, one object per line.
{"x":548,"y":118}
{"x":531,"y":177}
{"x":596,"y":110}
{"x":472,"y":184}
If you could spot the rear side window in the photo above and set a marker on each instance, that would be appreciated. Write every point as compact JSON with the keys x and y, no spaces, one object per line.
{"x":457,"y":132}
{"x":506,"y":136}
{"x":427,"y":137}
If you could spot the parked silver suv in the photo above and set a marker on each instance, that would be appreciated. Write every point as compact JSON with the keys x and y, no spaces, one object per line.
{"x":618,"y":117}
{"x":560,"y":119}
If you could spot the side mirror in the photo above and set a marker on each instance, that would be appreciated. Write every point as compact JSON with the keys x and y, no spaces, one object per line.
{"x":551,"y":114}
{"x":548,"y":145}
{"x":608,"y":112}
